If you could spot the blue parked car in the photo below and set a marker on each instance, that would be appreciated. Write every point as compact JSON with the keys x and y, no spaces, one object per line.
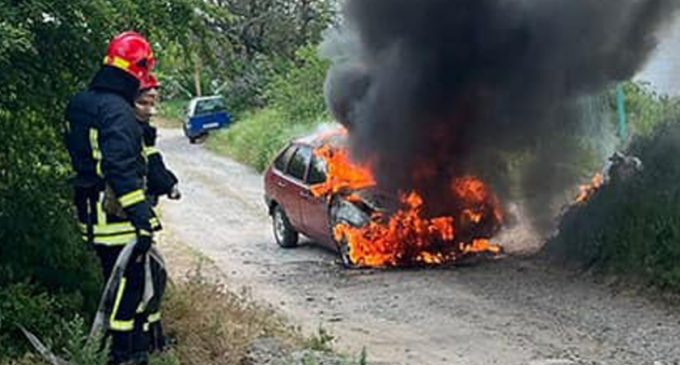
{"x":205,"y":114}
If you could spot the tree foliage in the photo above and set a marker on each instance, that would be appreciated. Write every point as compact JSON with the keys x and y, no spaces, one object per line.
{"x":647,"y":109}
{"x":257,"y":40}
{"x":294,"y":107}
{"x":49,"y":49}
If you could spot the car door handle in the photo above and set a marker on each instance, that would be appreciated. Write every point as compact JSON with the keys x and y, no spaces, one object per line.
{"x":305,"y":194}
{"x":281,"y":184}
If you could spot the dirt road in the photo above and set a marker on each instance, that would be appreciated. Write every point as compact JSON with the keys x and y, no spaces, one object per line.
{"x":515,"y":311}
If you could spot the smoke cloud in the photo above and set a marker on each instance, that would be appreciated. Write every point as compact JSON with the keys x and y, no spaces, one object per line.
{"x":438,"y":89}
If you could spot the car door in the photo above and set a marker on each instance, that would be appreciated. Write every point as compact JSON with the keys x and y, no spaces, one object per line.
{"x":276,"y":181}
{"x":294,"y":189}
{"x":315,"y":209}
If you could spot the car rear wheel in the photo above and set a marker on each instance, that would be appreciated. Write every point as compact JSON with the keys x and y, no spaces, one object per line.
{"x":286,"y":236}
{"x":191,"y":138}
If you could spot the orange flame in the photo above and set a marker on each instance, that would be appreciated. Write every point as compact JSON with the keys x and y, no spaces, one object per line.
{"x":480,"y":246}
{"x":587,"y":191}
{"x":343,"y":174}
{"x":478,"y":197}
{"x":408,"y":236}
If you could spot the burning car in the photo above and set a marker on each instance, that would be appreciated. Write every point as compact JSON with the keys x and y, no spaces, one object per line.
{"x":315,"y":189}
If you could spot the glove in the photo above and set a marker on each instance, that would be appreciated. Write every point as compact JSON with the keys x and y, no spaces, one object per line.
{"x":175,"y":194}
{"x":143,"y":244}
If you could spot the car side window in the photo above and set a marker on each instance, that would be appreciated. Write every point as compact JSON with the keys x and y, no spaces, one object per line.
{"x":282,"y":161}
{"x":317,"y":171}
{"x":298,"y":164}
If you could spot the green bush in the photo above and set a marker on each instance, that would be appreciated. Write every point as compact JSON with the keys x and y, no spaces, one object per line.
{"x":69,"y":340}
{"x":257,"y":137}
{"x":49,"y":50}
{"x":633,"y":226}
{"x":297,"y":90}
{"x":32,"y":308}
{"x":41,"y":313}
{"x":41,"y":249}
{"x":645,"y":108}
{"x":245,"y":90}
{"x":174,"y":109}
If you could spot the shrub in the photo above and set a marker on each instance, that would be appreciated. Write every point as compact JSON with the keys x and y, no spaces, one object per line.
{"x":257,"y":138}
{"x":633,"y":226}
{"x":174,"y":110}
{"x":645,"y":108}
{"x":297,"y":90}
{"x":41,"y":252}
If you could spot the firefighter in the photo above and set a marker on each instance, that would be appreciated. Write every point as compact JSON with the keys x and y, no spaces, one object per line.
{"x":161,"y":181}
{"x":104,"y":141}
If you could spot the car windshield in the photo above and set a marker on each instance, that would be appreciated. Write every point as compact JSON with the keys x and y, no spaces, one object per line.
{"x":210,"y":106}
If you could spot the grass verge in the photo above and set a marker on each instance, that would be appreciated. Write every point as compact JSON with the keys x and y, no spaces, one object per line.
{"x":213,"y":325}
{"x":257,"y":138}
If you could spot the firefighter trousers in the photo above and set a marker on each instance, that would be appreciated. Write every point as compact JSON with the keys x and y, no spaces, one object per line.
{"x":134,"y":331}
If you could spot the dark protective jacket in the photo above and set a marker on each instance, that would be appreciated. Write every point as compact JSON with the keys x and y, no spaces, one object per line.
{"x":104,"y":141}
{"x":160,"y":180}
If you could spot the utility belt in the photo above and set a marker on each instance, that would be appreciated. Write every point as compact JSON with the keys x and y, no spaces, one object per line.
{"x":103,"y":220}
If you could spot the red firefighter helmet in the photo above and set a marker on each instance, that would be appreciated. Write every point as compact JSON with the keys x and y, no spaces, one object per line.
{"x":131,"y":53}
{"x":149,"y":82}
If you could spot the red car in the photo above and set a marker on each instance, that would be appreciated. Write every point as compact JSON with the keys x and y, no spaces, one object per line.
{"x":295,"y":210}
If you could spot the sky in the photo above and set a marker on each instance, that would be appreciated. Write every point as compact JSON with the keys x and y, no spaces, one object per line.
{"x":663,"y":70}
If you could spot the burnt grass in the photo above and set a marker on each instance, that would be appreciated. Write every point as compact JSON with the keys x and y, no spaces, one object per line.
{"x":631,"y":227}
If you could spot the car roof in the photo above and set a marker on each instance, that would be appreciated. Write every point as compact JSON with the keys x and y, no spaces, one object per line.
{"x":311,"y":141}
{"x":319,"y":139}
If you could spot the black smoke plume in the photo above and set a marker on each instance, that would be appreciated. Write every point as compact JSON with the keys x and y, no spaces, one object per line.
{"x":438,"y":89}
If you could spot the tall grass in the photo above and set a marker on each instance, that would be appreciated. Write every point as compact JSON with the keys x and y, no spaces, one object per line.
{"x":206,"y":322}
{"x":257,"y":138}
{"x":214,"y":325}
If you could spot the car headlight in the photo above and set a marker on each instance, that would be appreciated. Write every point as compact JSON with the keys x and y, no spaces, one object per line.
{"x":351,"y":214}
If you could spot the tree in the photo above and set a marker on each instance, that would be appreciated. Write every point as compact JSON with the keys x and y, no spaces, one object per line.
{"x":49,"y":49}
{"x":249,"y":41}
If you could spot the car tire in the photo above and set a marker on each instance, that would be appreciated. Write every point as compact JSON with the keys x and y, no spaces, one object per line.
{"x":345,"y":254}
{"x":342,"y":245}
{"x":286,"y":236}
